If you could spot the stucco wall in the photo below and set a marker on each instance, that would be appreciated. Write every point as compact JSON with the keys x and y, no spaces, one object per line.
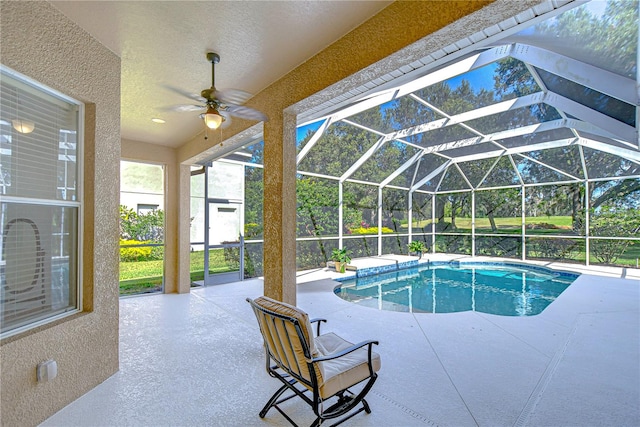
{"x":38,"y":41}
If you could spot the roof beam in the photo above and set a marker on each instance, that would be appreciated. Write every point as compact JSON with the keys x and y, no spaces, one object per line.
{"x":579,"y":72}
{"x":608,"y":148}
{"x":463,"y":66}
{"x":430,"y":176}
{"x":402,"y":168}
{"x":355,"y":166}
{"x":611,"y":125}
{"x":314,"y":139}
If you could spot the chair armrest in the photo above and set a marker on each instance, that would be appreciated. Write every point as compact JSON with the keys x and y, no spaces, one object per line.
{"x":319,"y":320}
{"x":347,"y":351}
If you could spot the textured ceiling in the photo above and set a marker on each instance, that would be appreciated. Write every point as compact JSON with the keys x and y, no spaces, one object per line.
{"x":164,"y":43}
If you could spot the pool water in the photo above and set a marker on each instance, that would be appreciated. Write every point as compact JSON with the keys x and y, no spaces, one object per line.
{"x":507,"y":290}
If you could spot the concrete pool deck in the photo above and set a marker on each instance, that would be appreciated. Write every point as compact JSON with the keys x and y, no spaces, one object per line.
{"x":197,"y":359}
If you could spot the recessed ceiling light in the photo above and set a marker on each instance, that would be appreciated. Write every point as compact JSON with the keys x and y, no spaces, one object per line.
{"x":157,"y":120}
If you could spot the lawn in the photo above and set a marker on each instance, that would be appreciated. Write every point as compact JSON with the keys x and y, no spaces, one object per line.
{"x":510,"y":224}
{"x":146,"y":276}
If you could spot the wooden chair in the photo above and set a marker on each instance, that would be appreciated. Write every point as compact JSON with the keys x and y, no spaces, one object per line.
{"x":319,"y":370}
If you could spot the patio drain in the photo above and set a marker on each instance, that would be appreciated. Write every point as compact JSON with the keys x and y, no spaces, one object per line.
{"x":405,"y":409}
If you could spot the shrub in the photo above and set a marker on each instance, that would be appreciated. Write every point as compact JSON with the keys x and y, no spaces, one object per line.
{"x":369,"y":230}
{"x":139,"y":253}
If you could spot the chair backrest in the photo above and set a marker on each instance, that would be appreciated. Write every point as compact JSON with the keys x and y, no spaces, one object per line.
{"x":288,"y":339}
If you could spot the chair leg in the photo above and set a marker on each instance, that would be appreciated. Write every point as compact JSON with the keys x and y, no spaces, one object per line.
{"x":272,"y":401}
{"x":366,"y":406}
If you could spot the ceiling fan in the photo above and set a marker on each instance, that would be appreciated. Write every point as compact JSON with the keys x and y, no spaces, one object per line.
{"x":219,"y":105}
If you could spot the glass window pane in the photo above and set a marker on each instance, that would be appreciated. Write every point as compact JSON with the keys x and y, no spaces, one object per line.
{"x":39,"y":262}
{"x":38,"y":128}
{"x":40,"y":151}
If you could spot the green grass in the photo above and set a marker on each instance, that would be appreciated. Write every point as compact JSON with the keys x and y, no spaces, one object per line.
{"x":146,"y":276}
{"x":509,"y":224}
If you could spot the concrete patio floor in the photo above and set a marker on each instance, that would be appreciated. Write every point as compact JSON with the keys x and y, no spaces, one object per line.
{"x":197,"y":359}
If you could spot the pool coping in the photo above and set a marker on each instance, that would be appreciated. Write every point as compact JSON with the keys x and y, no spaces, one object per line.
{"x":386,"y":263}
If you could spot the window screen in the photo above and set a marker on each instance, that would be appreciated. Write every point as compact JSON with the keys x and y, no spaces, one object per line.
{"x":40,"y":203}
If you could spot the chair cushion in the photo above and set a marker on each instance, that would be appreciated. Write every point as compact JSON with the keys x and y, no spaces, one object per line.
{"x":344,"y":371}
{"x":283,"y":341}
{"x":291,"y":311}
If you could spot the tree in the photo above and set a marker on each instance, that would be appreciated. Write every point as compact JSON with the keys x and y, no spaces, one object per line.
{"x":612,"y":221}
{"x":147,"y":227}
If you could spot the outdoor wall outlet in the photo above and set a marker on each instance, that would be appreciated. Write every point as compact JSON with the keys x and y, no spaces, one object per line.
{"x":47,"y":370}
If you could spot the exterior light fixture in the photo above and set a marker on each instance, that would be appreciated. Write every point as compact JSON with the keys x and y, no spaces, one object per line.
{"x":212,"y":118}
{"x":23,"y":126}
{"x":158,"y":120}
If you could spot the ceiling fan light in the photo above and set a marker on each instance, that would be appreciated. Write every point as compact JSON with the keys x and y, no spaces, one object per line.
{"x":23,"y":126}
{"x":212,"y":118}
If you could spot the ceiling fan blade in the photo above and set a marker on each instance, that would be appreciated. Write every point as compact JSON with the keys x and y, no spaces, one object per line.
{"x":246,"y":113}
{"x":185,"y":108}
{"x":194,"y":96}
{"x":227,"y":119}
{"x":233,"y":96}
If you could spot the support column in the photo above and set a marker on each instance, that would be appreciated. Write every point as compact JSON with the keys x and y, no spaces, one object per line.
{"x":183,"y":237}
{"x":280,"y":208}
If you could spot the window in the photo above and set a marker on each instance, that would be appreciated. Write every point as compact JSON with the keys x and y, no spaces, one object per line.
{"x":40,"y":210}
{"x":146,"y":208}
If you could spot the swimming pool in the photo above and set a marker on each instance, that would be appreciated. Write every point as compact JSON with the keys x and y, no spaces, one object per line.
{"x":495,"y":288}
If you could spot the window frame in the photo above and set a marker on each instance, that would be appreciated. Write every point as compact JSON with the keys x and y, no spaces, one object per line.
{"x":54,"y":315}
